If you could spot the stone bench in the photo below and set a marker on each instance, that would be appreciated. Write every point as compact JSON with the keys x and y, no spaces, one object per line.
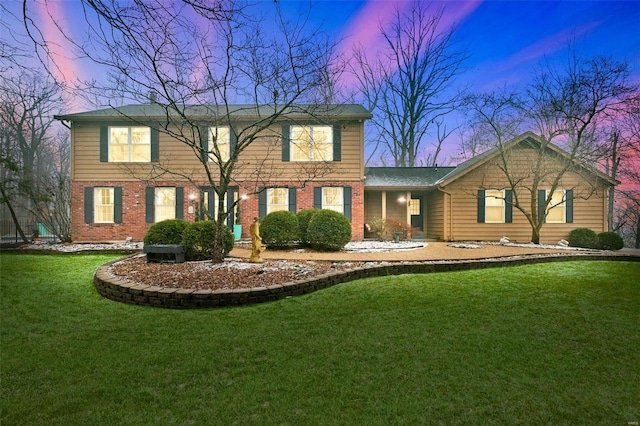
{"x":164,"y":253}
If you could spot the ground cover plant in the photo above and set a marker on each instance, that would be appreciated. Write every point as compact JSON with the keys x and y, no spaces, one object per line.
{"x":553,"y":343}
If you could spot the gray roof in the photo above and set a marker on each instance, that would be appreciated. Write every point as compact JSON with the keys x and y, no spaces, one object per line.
{"x":404,"y":177}
{"x":154,"y":111}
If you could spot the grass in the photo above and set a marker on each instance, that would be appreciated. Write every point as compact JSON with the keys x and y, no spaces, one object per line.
{"x":553,"y":343}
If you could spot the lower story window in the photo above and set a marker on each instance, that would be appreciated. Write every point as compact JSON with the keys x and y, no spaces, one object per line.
{"x":333,"y":199}
{"x":556,"y":212}
{"x":277,"y":199}
{"x":165,"y":204}
{"x":494,"y":206}
{"x":103,"y":205}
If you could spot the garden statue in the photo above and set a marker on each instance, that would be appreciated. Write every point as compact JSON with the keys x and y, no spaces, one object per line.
{"x":256,"y":242}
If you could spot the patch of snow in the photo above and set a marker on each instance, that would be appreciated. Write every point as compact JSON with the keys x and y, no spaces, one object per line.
{"x":71,"y":248}
{"x":466,"y":246}
{"x":382,"y":246}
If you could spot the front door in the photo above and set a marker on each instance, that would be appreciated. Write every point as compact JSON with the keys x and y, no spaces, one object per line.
{"x":417,"y":212}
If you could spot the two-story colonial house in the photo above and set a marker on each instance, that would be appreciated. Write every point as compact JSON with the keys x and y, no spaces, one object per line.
{"x":136,"y":165}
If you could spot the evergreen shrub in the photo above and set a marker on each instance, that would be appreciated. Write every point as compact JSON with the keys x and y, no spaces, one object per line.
{"x":328,"y":230}
{"x":198,"y":239}
{"x":610,"y":241}
{"x":166,"y":232}
{"x":279,"y":229}
{"x":583,"y":237}
{"x":304,"y":216}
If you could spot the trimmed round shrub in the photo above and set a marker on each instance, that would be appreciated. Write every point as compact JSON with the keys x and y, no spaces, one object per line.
{"x":583,"y":237}
{"x":328,"y":230}
{"x":304,"y":216}
{"x":166,"y":232}
{"x":279,"y":229}
{"x":610,"y":241}
{"x":198,"y":239}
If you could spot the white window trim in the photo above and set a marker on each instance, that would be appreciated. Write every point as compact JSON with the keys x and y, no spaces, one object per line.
{"x":487,"y":205}
{"x":97,"y":204}
{"x":310,"y":130}
{"x":130,"y":144}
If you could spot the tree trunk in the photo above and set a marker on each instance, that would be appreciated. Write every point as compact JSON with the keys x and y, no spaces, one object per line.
{"x":535,"y":235}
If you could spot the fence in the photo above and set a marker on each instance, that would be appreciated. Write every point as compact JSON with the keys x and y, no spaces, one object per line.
{"x":9,"y":231}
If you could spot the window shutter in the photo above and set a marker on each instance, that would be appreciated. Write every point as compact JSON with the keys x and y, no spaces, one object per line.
{"x":117,"y":204}
{"x":569,"y":205}
{"x":149,"y":199}
{"x":286,"y":143}
{"x":292,"y":200}
{"x":542,"y":198}
{"x":231,"y":217}
{"x":480,"y":205}
{"x":204,"y":142}
{"x":233,"y":142}
{"x":88,"y":204}
{"x":104,"y":144}
{"x":337,"y":142}
{"x":346,"y":192}
{"x":155,"y":145}
{"x":508,"y":206}
{"x":317,"y":197}
{"x":179,"y":202}
{"x":262,"y":203}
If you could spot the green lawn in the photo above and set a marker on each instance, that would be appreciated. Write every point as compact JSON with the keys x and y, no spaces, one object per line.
{"x":556,"y":343}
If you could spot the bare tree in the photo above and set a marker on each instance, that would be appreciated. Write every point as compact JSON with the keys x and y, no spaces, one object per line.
{"x":200,"y":59}
{"x":566,"y":107}
{"x":408,"y":87}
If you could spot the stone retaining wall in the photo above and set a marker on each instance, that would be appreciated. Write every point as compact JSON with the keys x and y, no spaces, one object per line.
{"x":178,"y":298}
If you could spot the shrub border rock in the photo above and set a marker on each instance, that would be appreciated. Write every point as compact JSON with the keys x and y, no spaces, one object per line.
{"x":120,"y":290}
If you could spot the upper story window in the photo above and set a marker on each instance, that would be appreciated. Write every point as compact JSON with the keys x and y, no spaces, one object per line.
{"x":219,"y":143}
{"x":129,"y":144}
{"x":557,"y":209}
{"x":103,"y":205}
{"x":494,"y":206}
{"x":311,"y":143}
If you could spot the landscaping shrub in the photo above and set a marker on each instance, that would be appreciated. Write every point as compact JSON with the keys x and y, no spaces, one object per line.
{"x":279,"y":229}
{"x":583,"y":237}
{"x":166,"y":232}
{"x":304,"y":216}
{"x":610,"y":241}
{"x":328,"y":230}
{"x":198,"y":239}
{"x":385,"y":229}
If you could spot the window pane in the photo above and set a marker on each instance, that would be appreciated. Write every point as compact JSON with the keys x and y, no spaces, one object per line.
{"x":219,"y":137}
{"x":494,"y":206}
{"x":129,"y":144}
{"x":165,"y":204}
{"x":119,"y":135}
{"x":556,"y":212}
{"x":323,"y":152}
{"x":332,"y":199}
{"x":311,"y":143}
{"x":103,"y":205}
{"x":414,"y":206}
{"x":141,"y":135}
{"x":140,"y":153}
{"x":277,"y":199}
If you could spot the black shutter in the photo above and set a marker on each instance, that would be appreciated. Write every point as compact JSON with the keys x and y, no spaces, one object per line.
{"x":149,"y":200}
{"x":569,"y":205}
{"x":481,"y":204}
{"x":286,"y":143}
{"x":88,"y":204}
{"x":317,"y":197}
{"x":233,"y":142}
{"x":508,"y":206}
{"x":204,"y":143}
{"x":292,"y":200}
{"x":104,"y":144}
{"x":231,"y":217}
{"x":542,"y":198}
{"x":155,"y":145}
{"x":262,"y":203}
{"x":346,"y":193}
{"x":117,"y":204}
{"x":179,"y":202}
{"x":337,"y":142}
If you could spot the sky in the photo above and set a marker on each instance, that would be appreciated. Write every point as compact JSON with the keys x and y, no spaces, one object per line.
{"x":506,"y":40}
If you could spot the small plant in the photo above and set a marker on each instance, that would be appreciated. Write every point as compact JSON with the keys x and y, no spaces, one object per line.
{"x":166,"y":232}
{"x":304,"y":216}
{"x":279,"y":229}
{"x":583,"y":237}
{"x":198,"y":239}
{"x":385,"y":229}
{"x":610,"y":241}
{"x":328,"y":230}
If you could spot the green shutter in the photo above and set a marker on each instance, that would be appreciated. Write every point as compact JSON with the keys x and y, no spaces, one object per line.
{"x":481,"y":204}
{"x":203,"y":134}
{"x":292,"y":200}
{"x":337,"y":142}
{"x":155,"y":145}
{"x":104,"y":144}
{"x":149,"y":202}
{"x":231,"y":217}
{"x":233,"y":142}
{"x":569,"y":205}
{"x":508,"y":206}
{"x":317,"y":197}
{"x":88,"y":204}
{"x":286,"y":143}
{"x":117,"y":204}
{"x":346,"y":193}
{"x":262,"y":203}
{"x":179,"y":202}
{"x":542,"y":198}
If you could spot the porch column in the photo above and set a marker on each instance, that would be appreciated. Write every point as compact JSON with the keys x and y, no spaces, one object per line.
{"x":408,"y":212}
{"x":384,"y":204}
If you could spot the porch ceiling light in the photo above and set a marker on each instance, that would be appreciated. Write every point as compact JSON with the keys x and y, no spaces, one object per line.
{"x":402,"y":199}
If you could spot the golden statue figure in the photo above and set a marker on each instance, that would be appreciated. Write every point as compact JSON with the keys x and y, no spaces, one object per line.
{"x":256,"y":242}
